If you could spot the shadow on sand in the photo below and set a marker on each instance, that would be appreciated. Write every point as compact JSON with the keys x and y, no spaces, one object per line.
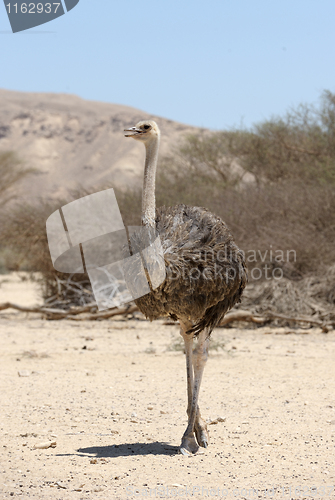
{"x":128,"y":449}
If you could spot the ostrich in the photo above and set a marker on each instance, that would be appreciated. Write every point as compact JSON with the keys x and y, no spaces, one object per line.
{"x":205,"y":277}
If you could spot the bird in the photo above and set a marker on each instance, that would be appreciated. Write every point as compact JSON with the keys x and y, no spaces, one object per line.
{"x":205,"y":276}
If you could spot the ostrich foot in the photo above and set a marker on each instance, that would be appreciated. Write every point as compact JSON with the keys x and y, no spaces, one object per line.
{"x":188,"y":446}
{"x":201,"y":432}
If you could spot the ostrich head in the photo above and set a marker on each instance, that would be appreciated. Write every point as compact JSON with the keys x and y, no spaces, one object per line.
{"x":144,"y":131}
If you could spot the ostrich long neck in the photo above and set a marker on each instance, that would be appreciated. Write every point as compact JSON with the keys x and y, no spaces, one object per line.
{"x":148,"y":196}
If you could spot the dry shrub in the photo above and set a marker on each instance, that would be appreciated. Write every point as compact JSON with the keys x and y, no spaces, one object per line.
{"x":283,"y":296}
{"x":23,"y":232}
{"x":312,"y":296}
{"x":266,"y":219}
{"x":24,"y":242}
{"x":130,"y":204}
{"x":290,"y":207}
{"x":300,"y":145}
{"x":287,"y":217}
{"x":12,"y":171}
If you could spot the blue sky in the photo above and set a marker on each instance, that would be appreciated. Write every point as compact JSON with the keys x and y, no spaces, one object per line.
{"x":215,"y":64}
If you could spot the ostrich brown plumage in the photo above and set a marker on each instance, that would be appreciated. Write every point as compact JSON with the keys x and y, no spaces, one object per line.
{"x":205,"y":277}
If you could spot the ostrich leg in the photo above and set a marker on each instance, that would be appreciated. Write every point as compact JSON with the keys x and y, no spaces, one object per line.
{"x":194,"y":361}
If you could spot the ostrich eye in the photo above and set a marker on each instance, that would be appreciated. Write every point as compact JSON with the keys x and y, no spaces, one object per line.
{"x":146,"y":127}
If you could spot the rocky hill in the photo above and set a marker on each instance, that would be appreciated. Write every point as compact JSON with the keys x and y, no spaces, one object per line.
{"x":72,"y":142}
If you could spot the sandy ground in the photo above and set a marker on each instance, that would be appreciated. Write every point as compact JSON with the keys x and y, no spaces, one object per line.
{"x":112,"y":396}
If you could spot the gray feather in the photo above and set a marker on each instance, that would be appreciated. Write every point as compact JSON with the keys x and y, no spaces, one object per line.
{"x":205,"y":270}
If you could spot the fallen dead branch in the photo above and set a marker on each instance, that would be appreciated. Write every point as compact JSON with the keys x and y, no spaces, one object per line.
{"x":242,"y":316}
{"x":71,"y":313}
{"x":105,"y":315}
{"x":60,"y":313}
{"x":80,"y":314}
{"x":269,"y":316}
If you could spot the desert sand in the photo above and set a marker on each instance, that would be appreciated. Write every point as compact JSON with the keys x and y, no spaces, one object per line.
{"x":111,"y":398}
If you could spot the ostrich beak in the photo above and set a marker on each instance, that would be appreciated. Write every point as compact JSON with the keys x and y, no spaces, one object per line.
{"x":133,"y":132}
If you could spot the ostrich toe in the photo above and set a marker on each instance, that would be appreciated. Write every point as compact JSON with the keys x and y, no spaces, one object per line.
{"x":201,"y":433}
{"x":188,"y":446}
